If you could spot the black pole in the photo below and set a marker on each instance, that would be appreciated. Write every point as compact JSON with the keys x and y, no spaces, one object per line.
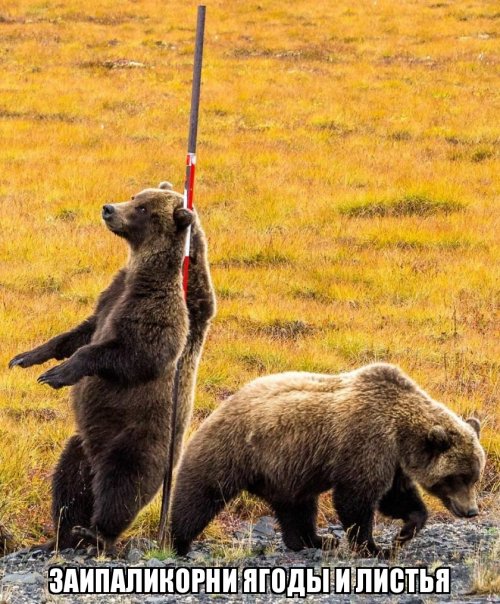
{"x":188,"y":202}
{"x":195,"y":94}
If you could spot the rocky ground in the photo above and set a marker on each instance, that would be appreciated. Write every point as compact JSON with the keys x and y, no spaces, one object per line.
{"x":469,"y":549}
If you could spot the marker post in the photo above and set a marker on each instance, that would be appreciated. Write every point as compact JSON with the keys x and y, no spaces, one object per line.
{"x":188,"y":203}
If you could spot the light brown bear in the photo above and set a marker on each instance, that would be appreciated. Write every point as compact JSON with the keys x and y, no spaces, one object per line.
{"x":370,"y":435}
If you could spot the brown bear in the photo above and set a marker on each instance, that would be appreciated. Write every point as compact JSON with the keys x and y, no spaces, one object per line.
{"x":370,"y":435}
{"x":122,"y":361}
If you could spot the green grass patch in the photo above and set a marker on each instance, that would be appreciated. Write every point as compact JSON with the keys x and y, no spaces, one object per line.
{"x":309,"y":293}
{"x":284,"y":330}
{"x":482,"y":154}
{"x":160,"y":554}
{"x":67,"y":215}
{"x":262,"y":258}
{"x":408,"y":205}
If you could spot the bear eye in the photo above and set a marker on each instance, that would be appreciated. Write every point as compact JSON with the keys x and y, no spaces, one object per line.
{"x":142,"y":209}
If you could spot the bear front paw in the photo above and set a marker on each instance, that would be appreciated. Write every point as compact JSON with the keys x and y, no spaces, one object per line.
{"x":60,"y":376}
{"x":25,"y":359}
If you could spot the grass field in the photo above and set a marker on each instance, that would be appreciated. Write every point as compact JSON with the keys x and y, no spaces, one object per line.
{"x":347,"y":181}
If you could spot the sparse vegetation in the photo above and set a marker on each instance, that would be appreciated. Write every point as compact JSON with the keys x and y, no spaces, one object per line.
{"x":486,"y":573}
{"x":159,"y":554}
{"x":347,"y":181}
{"x":408,"y":205}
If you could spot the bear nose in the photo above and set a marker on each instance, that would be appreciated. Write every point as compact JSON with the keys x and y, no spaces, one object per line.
{"x":107,"y":210}
{"x":472,"y":512}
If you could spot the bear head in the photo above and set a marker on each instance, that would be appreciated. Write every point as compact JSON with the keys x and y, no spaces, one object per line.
{"x":150,"y":219}
{"x":452,"y":463}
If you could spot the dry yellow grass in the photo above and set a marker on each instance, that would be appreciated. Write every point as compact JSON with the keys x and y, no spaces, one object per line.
{"x":310,"y":111}
{"x":486,"y":573}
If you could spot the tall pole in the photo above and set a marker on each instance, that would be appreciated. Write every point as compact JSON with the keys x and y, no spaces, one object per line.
{"x":188,"y":203}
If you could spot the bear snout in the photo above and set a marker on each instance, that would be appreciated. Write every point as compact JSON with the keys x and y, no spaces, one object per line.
{"x":107,"y":211}
{"x":462,"y":508}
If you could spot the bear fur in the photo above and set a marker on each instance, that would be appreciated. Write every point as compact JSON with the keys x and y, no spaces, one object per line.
{"x":370,"y":435}
{"x":121,"y":361}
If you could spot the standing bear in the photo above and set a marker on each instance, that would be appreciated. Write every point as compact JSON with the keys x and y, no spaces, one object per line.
{"x":370,"y":435}
{"x":121,"y":361}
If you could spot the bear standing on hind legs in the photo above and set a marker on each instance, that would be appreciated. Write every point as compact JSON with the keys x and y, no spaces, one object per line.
{"x":122,"y":362}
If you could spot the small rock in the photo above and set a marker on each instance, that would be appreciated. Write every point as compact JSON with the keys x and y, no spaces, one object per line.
{"x":36,"y":554}
{"x":337,"y":530}
{"x":15,"y":555}
{"x":196,"y":556}
{"x":366,"y":561}
{"x":79,"y":560}
{"x":169,"y":562}
{"x":154,"y":563}
{"x":134,"y":555}
{"x":313,"y":554}
{"x":24,"y":578}
{"x":264,"y":527}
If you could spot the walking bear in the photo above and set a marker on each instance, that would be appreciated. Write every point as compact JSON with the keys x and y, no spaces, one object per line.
{"x":121,"y":361}
{"x":370,"y":435}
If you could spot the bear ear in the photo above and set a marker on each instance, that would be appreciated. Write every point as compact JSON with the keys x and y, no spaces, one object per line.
{"x":166,"y":186}
{"x":475,"y":423}
{"x":438,"y":439}
{"x":183,"y":218}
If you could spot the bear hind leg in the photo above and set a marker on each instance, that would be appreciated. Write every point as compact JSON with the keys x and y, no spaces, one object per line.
{"x":117,"y":502}
{"x":356,"y":514}
{"x":194,"y":505}
{"x":125,"y":480}
{"x":298,"y":523}
{"x":72,"y":498}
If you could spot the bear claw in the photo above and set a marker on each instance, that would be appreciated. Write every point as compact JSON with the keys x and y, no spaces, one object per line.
{"x":18,"y":360}
{"x":94,"y":538}
{"x":58,"y":376}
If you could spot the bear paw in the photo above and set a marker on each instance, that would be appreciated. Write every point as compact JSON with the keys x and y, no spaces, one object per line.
{"x":59,"y":376}
{"x":24,"y":360}
{"x":94,"y":538}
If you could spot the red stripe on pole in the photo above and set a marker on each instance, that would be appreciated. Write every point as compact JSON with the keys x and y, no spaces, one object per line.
{"x":189,"y":192}
{"x":185,"y":273}
{"x":190,"y":189}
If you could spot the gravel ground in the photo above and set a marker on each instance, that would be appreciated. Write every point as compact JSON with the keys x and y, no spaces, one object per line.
{"x":459,"y":545}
